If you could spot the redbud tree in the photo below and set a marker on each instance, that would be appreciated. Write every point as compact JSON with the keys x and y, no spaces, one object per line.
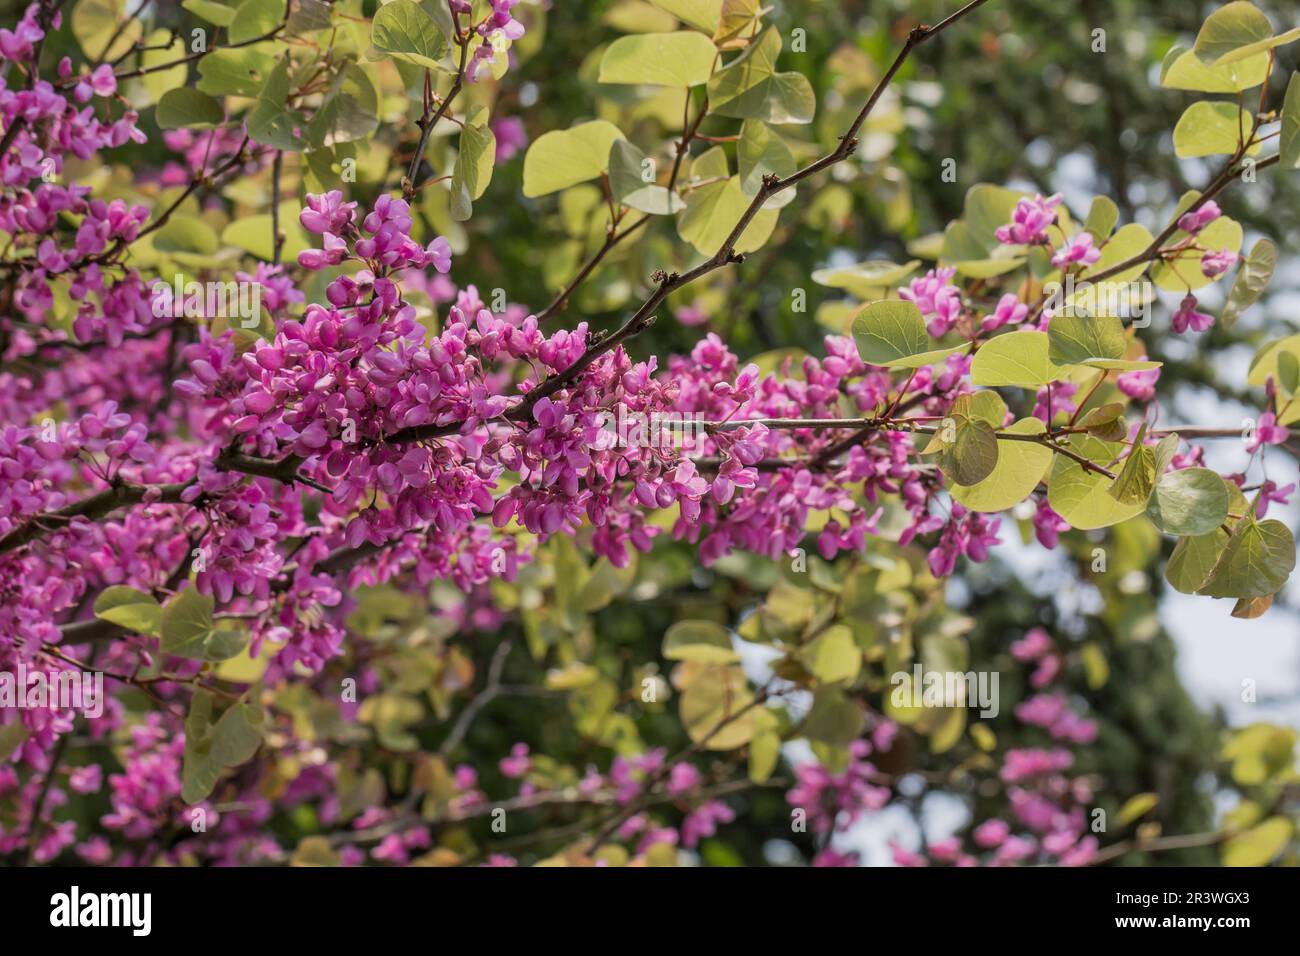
{"x":382,"y":561}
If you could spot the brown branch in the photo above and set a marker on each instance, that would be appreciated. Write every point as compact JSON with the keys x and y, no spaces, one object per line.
{"x":643,"y":318}
{"x":1157,"y":844}
{"x":1152,"y":251}
{"x":490,"y":690}
{"x":158,"y":67}
{"x":429,"y":120}
{"x":612,"y":239}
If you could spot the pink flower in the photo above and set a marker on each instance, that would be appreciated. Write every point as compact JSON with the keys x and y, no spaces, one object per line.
{"x":682,"y":779}
{"x":905,"y":857}
{"x":100,"y":82}
{"x":1139,"y":384}
{"x":689,"y":315}
{"x":991,"y":833}
{"x":937,"y":298}
{"x":1032,"y":646}
{"x":1079,"y":249}
{"x":87,"y":779}
{"x":833,"y":858}
{"x":327,"y":213}
{"x":1048,"y":525}
{"x":517,"y":764}
{"x":1029,"y":222}
{"x":1187,"y":317}
{"x":510,"y":135}
{"x":1269,"y":492}
{"x":439,"y":254}
{"x":1009,"y":310}
{"x":1214,"y":264}
{"x":1194,"y":222}
{"x":1268,"y":432}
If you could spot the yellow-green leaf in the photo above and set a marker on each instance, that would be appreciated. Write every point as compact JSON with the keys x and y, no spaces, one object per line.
{"x":683,"y":58}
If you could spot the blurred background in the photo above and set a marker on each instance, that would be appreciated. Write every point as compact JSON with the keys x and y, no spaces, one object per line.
{"x":1028,"y":94}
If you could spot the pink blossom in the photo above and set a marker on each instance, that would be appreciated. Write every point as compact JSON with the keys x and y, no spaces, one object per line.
{"x":1187,"y":317}
{"x":1029,"y":221}
{"x":1194,"y":222}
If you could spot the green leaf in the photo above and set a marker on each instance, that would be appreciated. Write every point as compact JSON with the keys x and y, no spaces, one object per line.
{"x":1259,"y":558}
{"x":239,"y":72}
{"x":1095,"y":666}
{"x":440,"y":13}
{"x":631,"y":180}
{"x":198,"y":771}
{"x":1265,"y":362}
{"x":986,"y":268}
{"x":162,"y":48}
{"x":572,"y":676}
{"x":1260,"y":845}
{"x":1165,"y":451}
{"x":134,"y":610}
{"x":1102,"y":216}
{"x":1252,"y":279}
{"x":237,"y":735}
{"x":1212,"y":129}
{"x":1085,"y":340}
{"x":1136,"y":807}
{"x":13,"y":736}
{"x":1137,"y":478}
{"x":985,"y":405}
{"x":216,"y":13}
{"x":404,"y":30}
{"x":1083,"y":497}
{"x":1289,"y":140}
{"x":1236,"y":31}
{"x":186,"y":622}
{"x":892,"y":333}
{"x":1106,"y":422}
{"x":1193,"y":559}
{"x":189,"y":630}
{"x":702,"y":641}
{"x":186,"y":234}
{"x":764,"y":751}
{"x":1288,"y":372}
{"x":712,"y":211}
{"x":738,"y":16}
{"x":96,"y":23}
{"x":683,"y":58}
{"x":1191,"y":501}
{"x":972,"y":454}
{"x":349,"y":112}
{"x":209,"y":748}
{"x":761,"y":152}
{"x":833,"y":656}
{"x":749,"y":87}
{"x":713,"y":707}
{"x":255,"y":18}
{"x":1020,"y":467}
{"x":310,"y":16}
{"x":865,"y":279}
{"x":702,"y":14}
{"x":186,"y":108}
{"x":1182,"y":69}
{"x":985,"y":209}
{"x":834,"y":718}
{"x":270,"y":121}
{"x":253,"y":233}
{"x":563,"y":158}
{"x":1016,"y":358}
{"x":474,"y":163}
